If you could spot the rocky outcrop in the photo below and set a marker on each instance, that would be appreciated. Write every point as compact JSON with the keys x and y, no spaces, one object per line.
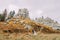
{"x":49,"y":22}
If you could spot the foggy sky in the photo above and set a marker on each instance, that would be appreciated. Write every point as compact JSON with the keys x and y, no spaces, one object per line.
{"x":37,"y":8}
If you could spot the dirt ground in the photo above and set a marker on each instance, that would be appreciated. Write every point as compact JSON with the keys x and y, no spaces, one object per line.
{"x":29,"y":36}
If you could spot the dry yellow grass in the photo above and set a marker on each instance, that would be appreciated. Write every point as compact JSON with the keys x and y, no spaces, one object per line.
{"x":20,"y":36}
{"x":26,"y":35}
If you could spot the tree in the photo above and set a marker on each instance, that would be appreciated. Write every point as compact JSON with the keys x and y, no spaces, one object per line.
{"x":0,"y":17}
{"x":11,"y":14}
{"x":3,"y":16}
{"x":5,"y":13}
{"x":23,"y":13}
{"x":42,"y":17}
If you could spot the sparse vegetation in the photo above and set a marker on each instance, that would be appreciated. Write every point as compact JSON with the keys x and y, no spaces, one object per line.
{"x":23,"y":28}
{"x":30,"y":37}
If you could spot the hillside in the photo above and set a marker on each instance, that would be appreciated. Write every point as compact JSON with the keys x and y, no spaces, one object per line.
{"x":21,"y":27}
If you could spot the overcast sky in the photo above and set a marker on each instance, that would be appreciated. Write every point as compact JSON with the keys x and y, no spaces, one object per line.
{"x":37,"y":8}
